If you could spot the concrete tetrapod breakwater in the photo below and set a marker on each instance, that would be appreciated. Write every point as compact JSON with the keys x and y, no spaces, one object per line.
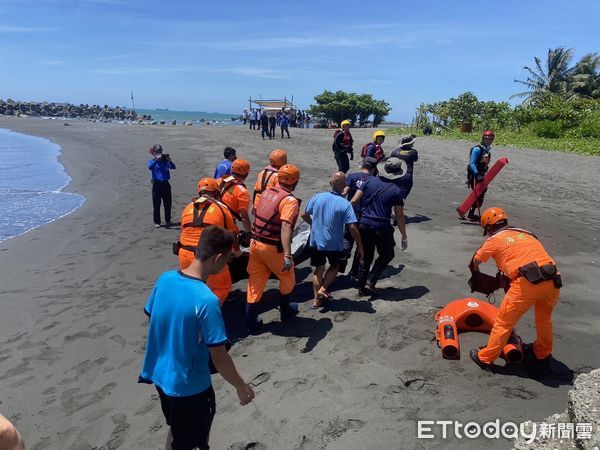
{"x":578,"y":427}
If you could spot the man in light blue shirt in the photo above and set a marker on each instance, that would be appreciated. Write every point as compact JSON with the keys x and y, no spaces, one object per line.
{"x":329,"y":213}
{"x":185,"y":327}
{"x":224,"y":167}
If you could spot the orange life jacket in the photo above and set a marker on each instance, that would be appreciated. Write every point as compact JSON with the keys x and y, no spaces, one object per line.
{"x":192,"y":219}
{"x":262,"y":183}
{"x":267,"y":222}
{"x":227,"y":185}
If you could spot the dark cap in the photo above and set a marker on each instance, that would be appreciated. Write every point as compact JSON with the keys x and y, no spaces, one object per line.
{"x":157,"y":148}
{"x":369,"y":163}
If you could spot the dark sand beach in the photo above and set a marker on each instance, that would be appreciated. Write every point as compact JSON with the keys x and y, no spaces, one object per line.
{"x":358,"y":374}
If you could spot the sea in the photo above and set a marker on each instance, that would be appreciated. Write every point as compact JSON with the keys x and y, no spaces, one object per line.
{"x":196,"y":117}
{"x":31,"y":183}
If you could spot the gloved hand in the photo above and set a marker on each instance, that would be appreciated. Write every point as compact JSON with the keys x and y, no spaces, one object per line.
{"x":404,"y":244}
{"x":287,"y":263}
{"x":479,"y":178}
{"x":351,"y":156}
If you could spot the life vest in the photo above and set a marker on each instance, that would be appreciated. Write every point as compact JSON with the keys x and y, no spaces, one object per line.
{"x":193,"y":217}
{"x":347,"y":141}
{"x":227,"y":185}
{"x":377,"y":153}
{"x":483,"y":161}
{"x":263,"y":181}
{"x":267,"y":222}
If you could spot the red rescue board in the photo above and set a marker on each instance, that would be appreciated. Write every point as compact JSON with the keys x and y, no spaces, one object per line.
{"x":480,"y":187}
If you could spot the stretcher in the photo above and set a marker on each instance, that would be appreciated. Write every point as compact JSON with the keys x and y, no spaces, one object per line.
{"x":300,"y":253}
{"x":481,"y":187}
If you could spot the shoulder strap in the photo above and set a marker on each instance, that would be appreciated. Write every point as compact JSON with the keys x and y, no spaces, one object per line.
{"x":270,"y":219}
{"x":521,"y":230}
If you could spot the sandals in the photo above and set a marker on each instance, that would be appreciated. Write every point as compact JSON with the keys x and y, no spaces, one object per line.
{"x":322,"y":297}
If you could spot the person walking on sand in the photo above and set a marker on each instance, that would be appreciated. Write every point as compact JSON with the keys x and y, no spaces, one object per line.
{"x":479,"y":161}
{"x":329,"y":213}
{"x":534,"y":282}
{"x":268,"y":176}
{"x":271,"y":246}
{"x":160,"y":166}
{"x":202,"y":212}
{"x":342,"y":146}
{"x":354,"y":181}
{"x":410,"y":156}
{"x":224,"y":167}
{"x":284,"y":123}
{"x":272,"y":123}
{"x":186,"y":327}
{"x":245,"y":116}
{"x":264,"y":125}
{"x":380,"y":197}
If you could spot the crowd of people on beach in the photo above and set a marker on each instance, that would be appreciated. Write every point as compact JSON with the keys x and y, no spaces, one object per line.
{"x":266,"y":120}
{"x":223,"y":230}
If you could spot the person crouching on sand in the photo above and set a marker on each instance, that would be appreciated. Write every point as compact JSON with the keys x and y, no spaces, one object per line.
{"x":186,"y":326}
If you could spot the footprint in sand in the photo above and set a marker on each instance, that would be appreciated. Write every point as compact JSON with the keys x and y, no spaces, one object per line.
{"x":118,"y":339}
{"x":260,"y":379}
{"x":341,"y":316}
{"x":518,"y":392}
{"x":291,"y":383}
{"x":248,"y":446}
{"x":120,"y":433}
{"x":291,"y":345}
{"x":337,"y":427}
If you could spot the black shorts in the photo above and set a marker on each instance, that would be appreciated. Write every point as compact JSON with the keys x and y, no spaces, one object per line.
{"x":190,"y":418}
{"x":319,"y":257}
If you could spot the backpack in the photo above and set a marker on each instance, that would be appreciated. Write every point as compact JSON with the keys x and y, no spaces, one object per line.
{"x":335,"y":134}
{"x":365,"y":149}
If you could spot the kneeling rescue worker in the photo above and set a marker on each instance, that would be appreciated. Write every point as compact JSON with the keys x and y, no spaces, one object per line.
{"x":271,"y":246}
{"x":534,"y":281}
{"x":203,"y":211}
{"x":268,"y":176}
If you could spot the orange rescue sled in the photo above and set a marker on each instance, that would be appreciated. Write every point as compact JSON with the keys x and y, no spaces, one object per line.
{"x":471,"y":314}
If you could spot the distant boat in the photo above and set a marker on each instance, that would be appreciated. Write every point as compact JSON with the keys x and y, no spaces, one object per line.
{"x":161,"y":109}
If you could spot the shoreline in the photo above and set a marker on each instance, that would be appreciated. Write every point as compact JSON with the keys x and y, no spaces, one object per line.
{"x":58,"y":190}
{"x":356,"y":375}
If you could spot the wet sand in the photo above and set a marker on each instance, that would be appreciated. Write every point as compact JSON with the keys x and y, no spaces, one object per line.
{"x":358,"y":374}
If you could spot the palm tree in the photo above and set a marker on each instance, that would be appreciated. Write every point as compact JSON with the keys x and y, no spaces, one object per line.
{"x":554,"y":77}
{"x":586,"y":76}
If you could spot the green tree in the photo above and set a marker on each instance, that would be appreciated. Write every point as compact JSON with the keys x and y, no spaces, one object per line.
{"x":357,"y":108}
{"x":554,"y":76}
{"x":585,"y":80}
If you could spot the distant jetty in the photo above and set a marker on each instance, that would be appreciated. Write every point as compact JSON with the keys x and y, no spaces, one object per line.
{"x":67,"y":110}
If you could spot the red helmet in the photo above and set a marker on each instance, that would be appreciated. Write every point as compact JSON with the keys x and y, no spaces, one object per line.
{"x":489,"y":134}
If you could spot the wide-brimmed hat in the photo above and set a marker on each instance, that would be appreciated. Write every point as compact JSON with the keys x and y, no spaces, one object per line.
{"x":391,"y":168}
{"x":407,"y":140}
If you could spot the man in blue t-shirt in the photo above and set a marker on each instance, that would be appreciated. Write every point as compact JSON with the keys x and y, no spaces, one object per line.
{"x":160,"y":166}
{"x":186,"y":327}
{"x":224,"y":167}
{"x":329,"y":213}
{"x":380,"y":197}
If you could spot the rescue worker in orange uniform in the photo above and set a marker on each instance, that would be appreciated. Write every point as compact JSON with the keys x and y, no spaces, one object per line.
{"x":203,"y":211}
{"x":271,"y":246}
{"x":235,"y":194}
{"x":534,"y":281}
{"x":268,"y":176}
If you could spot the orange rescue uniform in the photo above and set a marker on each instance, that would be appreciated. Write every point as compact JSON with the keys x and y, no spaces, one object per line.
{"x":511,"y":249}
{"x":197,"y":215}
{"x":266,"y":178}
{"x":266,"y":258}
{"x":235,"y":195}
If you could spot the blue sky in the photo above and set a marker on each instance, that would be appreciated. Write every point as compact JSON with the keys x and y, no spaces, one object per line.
{"x":211,"y":56}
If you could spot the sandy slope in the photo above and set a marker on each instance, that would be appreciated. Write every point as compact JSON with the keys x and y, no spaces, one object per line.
{"x":357,"y":375}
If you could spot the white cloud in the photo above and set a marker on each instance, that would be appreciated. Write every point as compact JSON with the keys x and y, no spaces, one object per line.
{"x":13,"y":29}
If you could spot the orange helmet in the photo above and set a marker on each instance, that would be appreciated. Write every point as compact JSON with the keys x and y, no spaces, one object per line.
{"x":208,"y":185}
{"x":492,"y":216}
{"x":240,"y":167}
{"x":278,"y":158}
{"x":288,"y":174}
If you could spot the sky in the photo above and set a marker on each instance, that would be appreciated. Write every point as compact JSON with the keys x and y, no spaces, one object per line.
{"x":212,"y":56}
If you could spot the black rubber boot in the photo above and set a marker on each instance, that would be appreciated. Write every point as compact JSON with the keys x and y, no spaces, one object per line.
{"x":287,"y":310}
{"x":253,"y":322}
